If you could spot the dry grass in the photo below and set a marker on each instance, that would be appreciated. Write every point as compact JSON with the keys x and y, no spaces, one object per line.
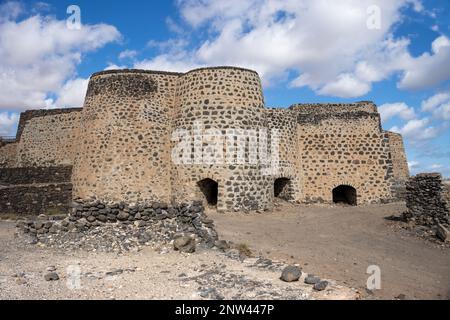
{"x":244,"y":250}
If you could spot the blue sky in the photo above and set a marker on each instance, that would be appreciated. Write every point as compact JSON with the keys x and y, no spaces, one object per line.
{"x":393,"y":52}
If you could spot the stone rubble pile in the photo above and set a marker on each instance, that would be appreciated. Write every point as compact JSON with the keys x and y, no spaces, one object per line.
{"x":120,"y":227}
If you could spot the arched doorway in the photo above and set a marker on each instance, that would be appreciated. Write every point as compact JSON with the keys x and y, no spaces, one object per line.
{"x":210,"y":190}
{"x":345,"y":195}
{"x":282,"y":188}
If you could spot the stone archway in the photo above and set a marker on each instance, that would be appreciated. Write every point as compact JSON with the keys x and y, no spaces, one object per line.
{"x":282,"y":188}
{"x":345,"y":194}
{"x":210,"y":190}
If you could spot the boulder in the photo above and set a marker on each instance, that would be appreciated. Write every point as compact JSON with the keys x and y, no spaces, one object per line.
{"x":442,"y":233}
{"x":320,"y":286}
{"x":184,"y":244}
{"x":51,"y":276}
{"x":291,"y":274}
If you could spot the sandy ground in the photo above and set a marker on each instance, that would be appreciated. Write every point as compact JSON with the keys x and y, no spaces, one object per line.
{"x":341,"y":242}
{"x":153,"y":273}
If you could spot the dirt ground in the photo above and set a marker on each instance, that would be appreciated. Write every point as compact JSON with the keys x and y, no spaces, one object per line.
{"x":341,"y":242}
{"x":152,"y":273}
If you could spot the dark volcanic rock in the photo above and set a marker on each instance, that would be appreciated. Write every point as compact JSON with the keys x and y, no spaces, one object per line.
{"x":291,"y":273}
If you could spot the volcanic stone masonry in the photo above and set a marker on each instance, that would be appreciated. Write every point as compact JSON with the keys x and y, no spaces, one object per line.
{"x":428,"y":200}
{"x":119,"y":145}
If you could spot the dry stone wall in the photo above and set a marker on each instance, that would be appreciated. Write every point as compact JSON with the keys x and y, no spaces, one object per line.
{"x":428,"y":200}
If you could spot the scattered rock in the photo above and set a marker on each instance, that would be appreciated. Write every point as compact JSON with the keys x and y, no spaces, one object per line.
{"x":51,"y":268}
{"x":115,"y":272}
{"x":320,"y":286}
{"x":52,"y":276}
{"x":311,"y":279}
{"x":401,"y":296}
{"x":184,"y":244}
{"x":442,"y":233}
{"x":222,"y":245}
{"x":291,"y":274}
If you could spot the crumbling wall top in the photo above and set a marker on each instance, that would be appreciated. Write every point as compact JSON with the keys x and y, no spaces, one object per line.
{"x":333,"y":108}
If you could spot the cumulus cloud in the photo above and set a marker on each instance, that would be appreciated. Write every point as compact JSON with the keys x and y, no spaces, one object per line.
{"x":428,"y":69}
{"x":431,"y":103}
{"x":326,"y":45}
{"x":400,"y":109}
{"x":128,"y":54}
{"x":438,"y":105}
{"x":39,"y":54}
{"x":8,"y":122}
{"x":417,"y":130}
{"x":345,"y":86}
{"x":72,"y":94}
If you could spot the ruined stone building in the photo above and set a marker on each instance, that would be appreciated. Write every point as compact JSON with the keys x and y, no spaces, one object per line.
{"x":119,"y":146}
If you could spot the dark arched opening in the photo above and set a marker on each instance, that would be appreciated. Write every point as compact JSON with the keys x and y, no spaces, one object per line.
{"x":345,"y":195}
{"x":282,"y":188}
{"x":210,"y":190}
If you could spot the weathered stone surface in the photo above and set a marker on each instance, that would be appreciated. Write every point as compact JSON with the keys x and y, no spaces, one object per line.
{"x":442,"y":233}
{"x":291,"y":274}
{"x":311,"y":279}
{"x":51,"y":276}
{"x":184,"y":244}
{"x":320,"y":286}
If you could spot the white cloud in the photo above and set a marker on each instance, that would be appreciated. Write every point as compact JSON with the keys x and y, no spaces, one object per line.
{"x":72,"y":94}
{"x":8,"y":123}
{"x":166,"y":63}
{"x":413,"y":165}
{"x":431,"y":103}
{"x":436,"y":166}
{"x":10,"y":10}
{"x":400,"y":109}
{"x":39,"y":54}
{"x":428,"y":69}
{"x":417,"y":130}
{"x":128,"y":54}
{"x":327,"y":44}
{"x":346,"y":86}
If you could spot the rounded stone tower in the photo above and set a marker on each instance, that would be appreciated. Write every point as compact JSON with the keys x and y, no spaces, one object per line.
{"x":223,"y":109}
{"x":124,"y":146}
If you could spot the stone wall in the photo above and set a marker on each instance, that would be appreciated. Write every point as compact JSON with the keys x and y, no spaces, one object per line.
{"x":399,"y":165}
{"x":288,"y":166}
{"x":35,"y":190}
{"x":428,"y":200}
{"x":49,"y":140}
{"x":124,"y":152}
{"x":120,"y":144}
{"x":229,"y":101}
{"x":8,"y":155}
{"x":342,"y":144}
{"x":31,"y":114}
{"x":36,"y":199}
{"x":31,"y":175}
